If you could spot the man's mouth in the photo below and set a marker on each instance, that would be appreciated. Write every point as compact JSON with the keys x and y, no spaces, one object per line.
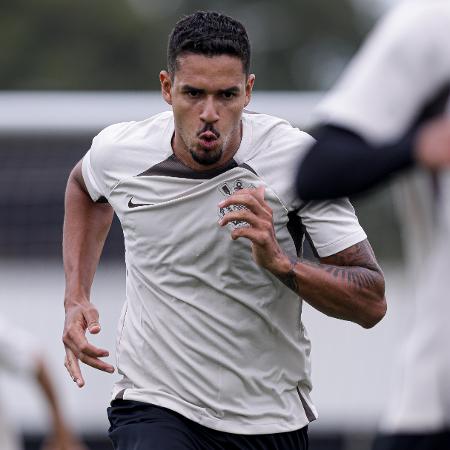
{"x":208,"y":140}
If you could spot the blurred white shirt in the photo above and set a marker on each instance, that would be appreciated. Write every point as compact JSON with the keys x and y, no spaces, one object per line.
{"x":398,"y":79}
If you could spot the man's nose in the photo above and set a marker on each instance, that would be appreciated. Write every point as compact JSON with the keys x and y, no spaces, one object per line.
{"x":209,"y":113}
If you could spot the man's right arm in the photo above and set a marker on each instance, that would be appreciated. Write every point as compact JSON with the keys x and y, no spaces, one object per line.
{"x":86,"y":226}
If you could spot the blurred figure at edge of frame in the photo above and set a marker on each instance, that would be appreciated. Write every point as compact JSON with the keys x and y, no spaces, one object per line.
{"x":388,"y":112}
{"x":19,"y":354}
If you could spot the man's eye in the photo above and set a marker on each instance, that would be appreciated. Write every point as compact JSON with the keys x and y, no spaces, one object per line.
{"x":193,"y":93}
{"x":228,"y":95}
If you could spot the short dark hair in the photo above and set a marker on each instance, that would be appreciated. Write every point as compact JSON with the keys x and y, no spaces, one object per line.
{"x":208,"y":33}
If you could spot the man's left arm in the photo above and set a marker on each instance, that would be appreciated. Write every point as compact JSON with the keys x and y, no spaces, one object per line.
{"x":348,"y":285}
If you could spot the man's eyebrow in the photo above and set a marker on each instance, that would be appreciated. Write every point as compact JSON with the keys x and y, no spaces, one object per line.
{"x":187,"y":87}
{"x":230,"y":90}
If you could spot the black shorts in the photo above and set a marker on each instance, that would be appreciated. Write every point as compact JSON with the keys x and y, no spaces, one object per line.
{"x":438,"y":440}
{"x":142,"y":426}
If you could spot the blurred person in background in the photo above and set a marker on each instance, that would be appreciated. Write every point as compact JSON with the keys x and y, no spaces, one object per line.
{"x":211,"y":347}
{"x":19,"y":354}
{"x":389,"y":112}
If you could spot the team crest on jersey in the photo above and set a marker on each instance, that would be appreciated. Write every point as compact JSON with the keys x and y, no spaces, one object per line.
{"x":227,"y":189}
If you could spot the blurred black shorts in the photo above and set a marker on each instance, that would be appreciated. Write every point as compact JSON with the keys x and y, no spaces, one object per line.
{"x":142,"y":426}
{"x":439,"y":440}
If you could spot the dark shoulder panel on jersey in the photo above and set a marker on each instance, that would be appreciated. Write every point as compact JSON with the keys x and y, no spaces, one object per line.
{"x":298,"y":232}
{"x":173,"y":167}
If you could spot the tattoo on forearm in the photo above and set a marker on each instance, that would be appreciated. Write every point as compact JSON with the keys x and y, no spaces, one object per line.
{"x":353,"y":275}
{"x":356,"y":265}
{"x":360,"y":254}
{"x":290,"y":280}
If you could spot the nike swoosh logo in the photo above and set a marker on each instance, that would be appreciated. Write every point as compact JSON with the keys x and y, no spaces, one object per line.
{"x":136,"y":205}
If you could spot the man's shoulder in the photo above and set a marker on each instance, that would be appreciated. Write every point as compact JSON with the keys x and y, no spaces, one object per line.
{"x":271,"y":135}
{"x":126,"y":132}
{"x":264,"y":122}
{"x":274,"y":151}
{"x":129,"y":148}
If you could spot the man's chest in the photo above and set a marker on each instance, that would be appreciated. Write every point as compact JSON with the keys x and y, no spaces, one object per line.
{"x":161,"y":215}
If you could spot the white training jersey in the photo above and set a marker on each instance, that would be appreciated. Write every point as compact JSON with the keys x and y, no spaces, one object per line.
{"x":18,"y":352}
{"x":205,"y":331}
{"x":401,"y":73}
{"x":399,"y":79}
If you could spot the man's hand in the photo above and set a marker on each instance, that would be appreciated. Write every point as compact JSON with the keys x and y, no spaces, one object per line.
{"x":348,"y":285}
{"x":260,"y":231}
{"x":79,"y":318}
{"x":432,"y":147}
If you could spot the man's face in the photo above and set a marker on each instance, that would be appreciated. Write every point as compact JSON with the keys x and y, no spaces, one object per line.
{"x":208,"y":95}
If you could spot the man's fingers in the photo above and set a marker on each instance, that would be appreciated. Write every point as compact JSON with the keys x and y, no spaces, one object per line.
{"x":92,"y":319}
{"x":94,"y":328}
{"x":257,"y":192}
{"x":253,"y":235}
{"x":97,"y":363}
{"x":83,"y":346}
{"x":243,"y":215}
{"x":78,"y":343}
{"x":250,"y":201}
{"x":73,"y":367}
{"x":94,"y":352}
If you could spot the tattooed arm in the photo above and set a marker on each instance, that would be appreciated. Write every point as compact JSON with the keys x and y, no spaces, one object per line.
{"x":348,"y":285}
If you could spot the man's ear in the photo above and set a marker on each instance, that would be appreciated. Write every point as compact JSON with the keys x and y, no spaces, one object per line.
{"x":166,"y":86}
{"x":248,"y":88}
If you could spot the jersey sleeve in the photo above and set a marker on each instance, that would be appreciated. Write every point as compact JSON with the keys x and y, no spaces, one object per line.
{"x":402,"y":65}
{"x":99,"y":173}
{"x":331,"y":226}
{"x":18,"y":350}
{"x":90,"y":178}
{"x":276,"y":152}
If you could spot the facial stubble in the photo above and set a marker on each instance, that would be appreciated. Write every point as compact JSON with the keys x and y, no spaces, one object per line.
{"x":207,"y":158}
